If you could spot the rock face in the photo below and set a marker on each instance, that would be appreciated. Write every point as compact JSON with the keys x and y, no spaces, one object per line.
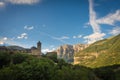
{"x":67,"y":52}
{"x":79,"y":47}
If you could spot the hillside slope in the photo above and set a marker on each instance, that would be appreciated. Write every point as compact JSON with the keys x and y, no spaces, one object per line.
{"x":15,"y":48}
{"x":101,"y":53}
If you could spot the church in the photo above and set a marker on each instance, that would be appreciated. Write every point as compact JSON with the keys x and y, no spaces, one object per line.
{"x":36,"y":51}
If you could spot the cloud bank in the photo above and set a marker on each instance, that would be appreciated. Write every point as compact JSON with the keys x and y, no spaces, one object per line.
{"x":29,"y":2}
{"x":18,"y":2}
{"x":23,"y":36}
{"x":115,"y":31}
{"x":110,"y":19}
{"x":2,"y":4}
{"x":96,"y":35}
{"x":95,"y":23}
{"x":61,"y":39}
{"x":78,"y":36}
{"x":48,"y":50}
{"x":92,"y":15}
{"x":28,"y":27}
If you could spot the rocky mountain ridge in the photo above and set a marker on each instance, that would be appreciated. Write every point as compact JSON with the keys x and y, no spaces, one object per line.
{"x":67,"y":52}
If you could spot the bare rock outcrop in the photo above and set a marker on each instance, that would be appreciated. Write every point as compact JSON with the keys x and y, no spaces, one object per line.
{"x":67,"y":52}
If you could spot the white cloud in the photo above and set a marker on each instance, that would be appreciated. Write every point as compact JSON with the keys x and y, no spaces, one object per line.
{"x":110,"y":19}
{"x":47,"y":50}
{"x":5,"y":38}
{"x":10,"y":41}
{"x":86,"y":25}
{"x":115,"y":31}
{"x":74,"y":37}
{"x":93,"y":17}
{"x":25,"y":2}
{"x":94,"y":37}
{"x":29,"y":2}
{"x":23,"y":36}
{"x":79,"y":36}
{"x":64,"y":37}
{"x":2,"y":4}
{"x":95,"y":23}
{"x":61,"y":39}
{"x":28,"y":27}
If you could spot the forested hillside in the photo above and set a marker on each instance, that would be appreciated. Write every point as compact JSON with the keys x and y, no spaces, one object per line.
{"x":26,"y":67}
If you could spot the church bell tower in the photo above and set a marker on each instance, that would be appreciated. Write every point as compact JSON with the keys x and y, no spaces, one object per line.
{"x":39,"y":47}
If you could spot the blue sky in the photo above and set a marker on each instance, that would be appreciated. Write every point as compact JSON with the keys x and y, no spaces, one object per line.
{"x":57,"y":22}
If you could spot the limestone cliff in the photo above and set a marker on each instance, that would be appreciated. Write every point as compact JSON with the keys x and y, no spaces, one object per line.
{"x":67,"y":52}
{"x":79,"y":47}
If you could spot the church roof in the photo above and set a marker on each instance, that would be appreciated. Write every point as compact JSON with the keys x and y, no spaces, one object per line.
{"x":33,"y":47}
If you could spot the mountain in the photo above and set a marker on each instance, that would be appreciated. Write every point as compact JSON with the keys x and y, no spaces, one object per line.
{"x":101,"y":53}
{"x":66,"y":52}
{"x":15,"y":48}
{"x":12,"y":47}
{"x":79,"y":47}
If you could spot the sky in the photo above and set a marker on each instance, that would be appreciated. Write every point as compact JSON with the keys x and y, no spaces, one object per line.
{"x":57,"y":22}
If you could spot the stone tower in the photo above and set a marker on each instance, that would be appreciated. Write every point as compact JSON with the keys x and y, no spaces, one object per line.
{"x":39,"y":46}
{"x":36,"y":51}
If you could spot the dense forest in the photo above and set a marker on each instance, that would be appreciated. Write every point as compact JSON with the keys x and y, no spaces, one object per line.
{"x":19,"y":66}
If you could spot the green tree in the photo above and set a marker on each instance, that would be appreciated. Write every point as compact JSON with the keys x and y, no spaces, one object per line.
{"x":4,"y":59}
{"x":18,"y":58}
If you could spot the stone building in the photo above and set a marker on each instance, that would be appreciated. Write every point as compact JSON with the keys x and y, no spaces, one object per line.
{"x":36,"y":51}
